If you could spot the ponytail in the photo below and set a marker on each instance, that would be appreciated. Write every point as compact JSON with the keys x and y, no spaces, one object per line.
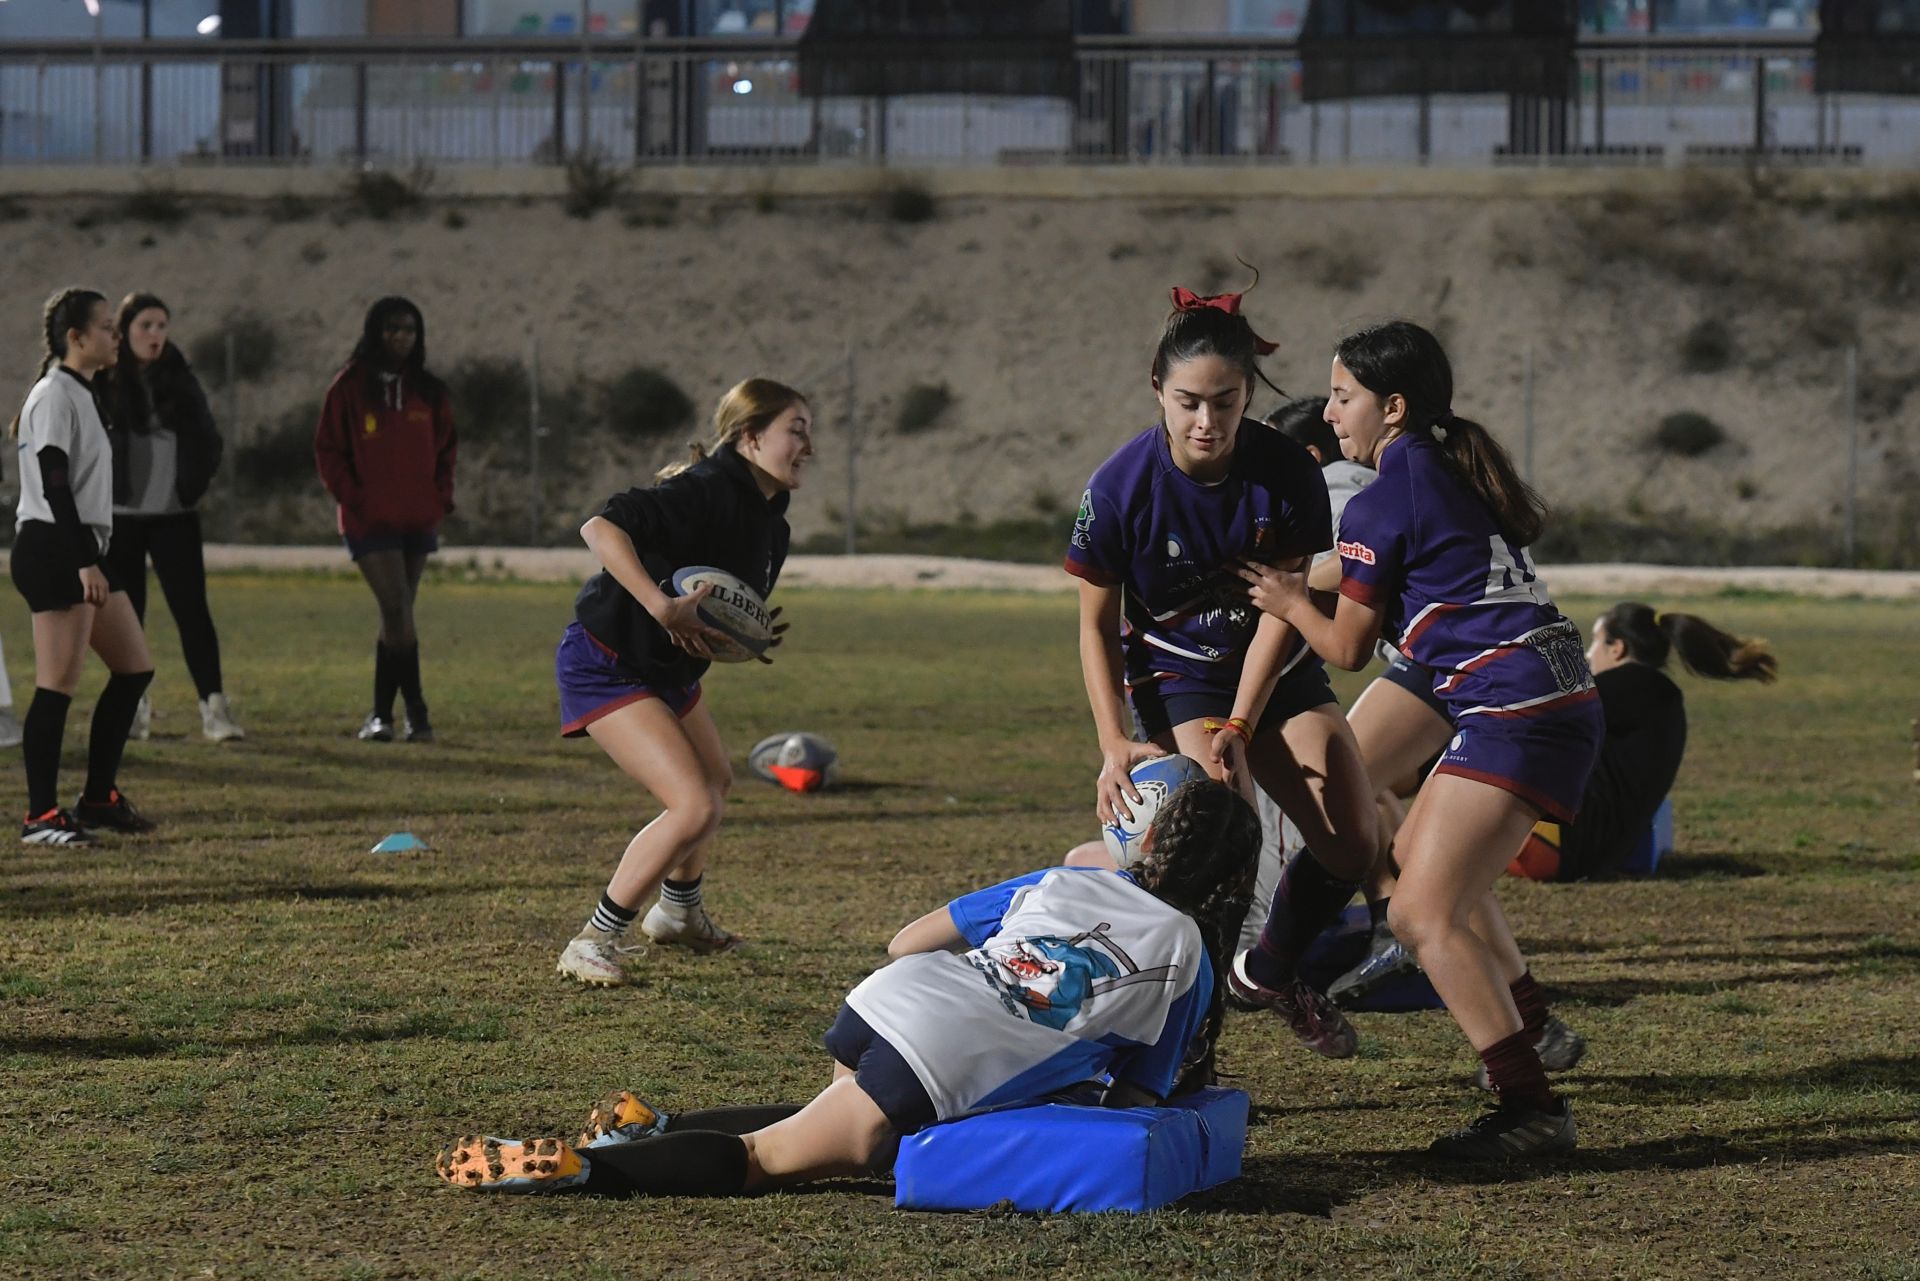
{"x":746,"y":410}
{"x":1400,"y":358}
{"x":1483,"y":465}
{"x":66,"y":309}
{"x":1651,"y":637}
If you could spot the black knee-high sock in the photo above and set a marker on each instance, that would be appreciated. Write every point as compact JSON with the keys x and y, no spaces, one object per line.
{"x":1305,"y":902}
{"x":691,"y":1163}
{"x":112,"y":718}
{"x":406,"y":674}
{"x":40,"y":737}
{"x":730,"y":1120}
{"x":384,"y":682}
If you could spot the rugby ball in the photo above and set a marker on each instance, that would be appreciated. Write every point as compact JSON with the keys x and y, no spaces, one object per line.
{"x":1155,"y":778}
{"x":732,"y":607}
{"x":799,"y":762}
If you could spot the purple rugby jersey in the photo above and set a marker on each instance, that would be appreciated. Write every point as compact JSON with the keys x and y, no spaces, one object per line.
{"x":1457,"y":597}
{"x":1170,"y":543}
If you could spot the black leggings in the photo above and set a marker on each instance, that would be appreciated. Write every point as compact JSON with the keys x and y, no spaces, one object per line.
{"x":173,"y":541}
{"x":699,"y":1154}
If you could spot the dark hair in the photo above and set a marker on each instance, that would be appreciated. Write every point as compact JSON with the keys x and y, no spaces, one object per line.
{"x":1401,"y":358}
{"x":1650,"y":637}
{"x":1206,"y":849}
{"x":1304,"y":422}
{"x":1193,"y":332}
{"x":66,"y":309}
{"x":132,"y":398}
{"x":370,"y":352}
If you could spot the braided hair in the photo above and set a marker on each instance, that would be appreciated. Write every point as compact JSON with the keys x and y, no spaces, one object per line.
{"x":66,"y":310}
{"x":1204,"y":852}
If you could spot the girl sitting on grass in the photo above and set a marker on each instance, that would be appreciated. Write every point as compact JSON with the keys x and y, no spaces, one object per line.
{"x":1005,"y":995}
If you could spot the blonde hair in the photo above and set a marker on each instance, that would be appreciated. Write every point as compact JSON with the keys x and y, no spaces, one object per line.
{"x":746,"y":410}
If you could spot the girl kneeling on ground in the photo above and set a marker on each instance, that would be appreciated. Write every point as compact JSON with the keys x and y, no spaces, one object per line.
{"x":1004,"y":996}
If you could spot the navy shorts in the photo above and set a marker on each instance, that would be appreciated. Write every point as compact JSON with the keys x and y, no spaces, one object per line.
{"x":593,"y":684}
{"x":411,"y":542}
{"x":1543,"y":759}
{"x":1417,"y":680}
{"x":41,"y":569}
{"x":880,"y":1071}
{"x":1159,"y":706}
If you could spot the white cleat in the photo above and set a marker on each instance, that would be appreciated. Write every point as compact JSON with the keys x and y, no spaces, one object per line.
{"x":689,"y":928}
{"x":216,"y":719}
{"x":595,"y":959}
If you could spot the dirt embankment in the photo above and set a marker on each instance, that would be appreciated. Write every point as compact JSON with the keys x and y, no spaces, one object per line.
{"x":1720,"y":298}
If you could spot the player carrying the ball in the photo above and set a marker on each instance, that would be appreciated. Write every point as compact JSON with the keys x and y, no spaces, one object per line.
{"x":1166,"y":625}
{"x":629,"y":665}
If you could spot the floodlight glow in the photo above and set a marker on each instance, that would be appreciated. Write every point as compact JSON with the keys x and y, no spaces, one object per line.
{"x":208,"y":25}
{"x":93,"y":8}
{"x":743,"y":86}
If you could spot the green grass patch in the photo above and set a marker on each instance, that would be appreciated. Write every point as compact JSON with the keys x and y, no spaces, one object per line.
{"x":233,"y":1047}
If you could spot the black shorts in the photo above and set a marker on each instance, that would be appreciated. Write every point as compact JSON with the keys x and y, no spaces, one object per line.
{"x":1417,"y":680}
{"x":41,"y":565}
{"x":1159,"y":706}
{"x":880,"y":1070}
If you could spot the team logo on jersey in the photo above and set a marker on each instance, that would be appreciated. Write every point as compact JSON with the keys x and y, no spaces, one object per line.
{"x":1083,"y":522}
{"x":1458,"y":739}
{"x":1355,"y":551}
{"x":371,"y":425}
{"x":1049,"y":979}
{"x":1173,"y":549}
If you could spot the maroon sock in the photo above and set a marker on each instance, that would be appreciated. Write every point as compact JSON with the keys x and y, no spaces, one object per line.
{"x":1531,"y":1000}
{"x":1514,"y":1071}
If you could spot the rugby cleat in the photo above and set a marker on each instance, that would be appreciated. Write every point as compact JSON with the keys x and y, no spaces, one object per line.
{"x":375,"y":729}
{"x":415,"y":727}
{"x":116,"y":814}
{"x":1387,"y":958}
{"x":1320,"y":1025}
{"x":55,"y":827}
{"x":596,"y":959}
{"x":1509,"y":1134}
{"x":216,"y":719}
{"x":487,"y":1164}
{"x":691,"y":928}
{"x":621,"y":1117}
{"x":1559,"y":1048}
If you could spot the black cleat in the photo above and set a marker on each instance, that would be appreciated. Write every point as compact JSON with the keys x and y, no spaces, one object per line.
{"x":1510,"y":1134}
{"x":116,"y":814}
{"x":55,"y":827}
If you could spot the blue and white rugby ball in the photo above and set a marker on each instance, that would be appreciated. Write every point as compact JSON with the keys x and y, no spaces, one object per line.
{"x":1155,"y":779}
{"x":732,"y":608}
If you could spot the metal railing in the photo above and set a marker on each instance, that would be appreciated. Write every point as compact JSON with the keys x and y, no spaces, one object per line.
{"x":1648,"y":101}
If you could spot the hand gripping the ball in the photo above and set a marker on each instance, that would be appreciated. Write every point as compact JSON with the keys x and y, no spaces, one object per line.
{"x":779,"y":630}
{"x":680,"y":617}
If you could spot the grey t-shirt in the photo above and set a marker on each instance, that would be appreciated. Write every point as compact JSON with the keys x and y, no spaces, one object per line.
{"x":153,"y":472}
{"x":60,"y":413}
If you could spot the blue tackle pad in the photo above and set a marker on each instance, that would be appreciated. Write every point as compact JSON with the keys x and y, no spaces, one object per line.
{"x":1060,"y":1158}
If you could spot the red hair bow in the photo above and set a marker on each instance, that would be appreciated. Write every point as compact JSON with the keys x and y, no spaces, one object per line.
{"x":1185,"y":299}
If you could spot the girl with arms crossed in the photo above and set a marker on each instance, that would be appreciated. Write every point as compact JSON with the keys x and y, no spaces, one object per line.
{"x":385,"y":448}
{"x":165,"y":453}
{"x":1433,"y":551}
{"x":1165,"y":625}
{"x":629,"y":665}
{"x":1002,"y":997}
{"x":61,"y":534}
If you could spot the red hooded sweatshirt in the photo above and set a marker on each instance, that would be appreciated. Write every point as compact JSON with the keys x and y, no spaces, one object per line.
{"x":386,"y":457}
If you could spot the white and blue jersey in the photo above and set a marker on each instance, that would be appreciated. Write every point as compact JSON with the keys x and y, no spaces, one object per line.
{"x":1072,"y":972}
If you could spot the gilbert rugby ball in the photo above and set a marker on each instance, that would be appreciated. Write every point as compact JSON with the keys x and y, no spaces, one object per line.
{"x":799,"y":762}
{"x":1155,"y":778}
{"x":732,"y":607}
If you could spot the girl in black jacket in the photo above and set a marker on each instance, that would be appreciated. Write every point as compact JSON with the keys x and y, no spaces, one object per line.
{"x":166,"y":450}
{"x":629,"y":666}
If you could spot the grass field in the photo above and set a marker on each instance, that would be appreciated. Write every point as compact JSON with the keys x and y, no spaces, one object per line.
{"x":231,"y":1049}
